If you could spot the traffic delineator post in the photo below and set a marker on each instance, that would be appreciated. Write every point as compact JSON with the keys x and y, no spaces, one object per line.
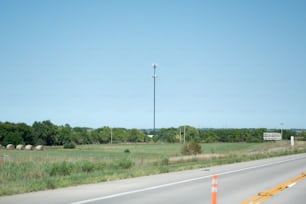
{"x":214,"y":189}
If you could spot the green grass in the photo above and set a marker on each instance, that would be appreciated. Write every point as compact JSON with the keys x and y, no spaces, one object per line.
{"x":26,"y":171}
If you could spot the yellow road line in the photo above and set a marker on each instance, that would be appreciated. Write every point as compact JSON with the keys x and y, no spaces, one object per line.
{"x":262,"y":196}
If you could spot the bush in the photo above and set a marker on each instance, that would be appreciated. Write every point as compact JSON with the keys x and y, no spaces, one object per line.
{"x":165,"y":160}
{"x":60,"y":169}
{"x":87,"y":166}
{"x":192,"y":148}
{"x":123,"y":163}
{"x":163,"y":169}
{"x":69,"y":145}
{"x":126,"y":151}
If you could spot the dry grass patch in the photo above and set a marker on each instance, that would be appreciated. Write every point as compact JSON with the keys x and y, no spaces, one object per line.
{"x":198,"y":157}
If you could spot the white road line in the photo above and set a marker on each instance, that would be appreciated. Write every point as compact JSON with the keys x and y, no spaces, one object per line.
{"x":181,"y":182}
{"x":291,"y":185}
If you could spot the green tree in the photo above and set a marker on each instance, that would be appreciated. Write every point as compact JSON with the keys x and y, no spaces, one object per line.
{"x":63,"y":135}
{"x":44,"y":132}
{"x":94,"y":137}
{"x":12,"y":138}
{"x":101,"y":135}
{"x":81,"y":135}
{"x":120,"y":135}
{"x":191,"y":133}
{"x":136,"y":135}
{"x":12,"y":133}
{"x":287,"y":134}
{"x":168,"y":135}
{"x":302,"y":135}
{"x":208,"y":136}
{"x":25,"y":132}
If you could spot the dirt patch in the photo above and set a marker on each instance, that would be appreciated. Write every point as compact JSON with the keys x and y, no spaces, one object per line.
{"x":194,"y":157}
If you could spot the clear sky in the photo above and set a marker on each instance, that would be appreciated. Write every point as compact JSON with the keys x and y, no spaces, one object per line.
{"x":221,"y":64}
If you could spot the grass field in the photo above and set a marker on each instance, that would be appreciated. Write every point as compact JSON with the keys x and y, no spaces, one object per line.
{"x":26,"y":171}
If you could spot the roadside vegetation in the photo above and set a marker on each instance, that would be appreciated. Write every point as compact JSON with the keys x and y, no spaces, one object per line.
{"x":80,"y":155}
{"x":25,"y":171}
{"x":48,"y":134}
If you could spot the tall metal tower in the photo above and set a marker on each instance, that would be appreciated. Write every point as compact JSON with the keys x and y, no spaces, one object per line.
{"x":154,"y":78}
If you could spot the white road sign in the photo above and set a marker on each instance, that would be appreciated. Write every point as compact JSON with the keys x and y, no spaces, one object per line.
{"x":272,"y":136}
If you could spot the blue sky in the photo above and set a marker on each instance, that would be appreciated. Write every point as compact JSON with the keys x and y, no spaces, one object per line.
{"x":221,"y":64}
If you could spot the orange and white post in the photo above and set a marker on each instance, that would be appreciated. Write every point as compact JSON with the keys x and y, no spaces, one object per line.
{"x":214,"y":189}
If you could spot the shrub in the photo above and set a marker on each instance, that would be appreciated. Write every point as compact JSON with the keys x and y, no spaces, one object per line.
{"x":50,"y":184}
{"x":192,"y":148}
{"x":165,"y":160}
{"x":60,"y":169}
{"x":126,"y":151}
{"x":88,"y":166}
{"x":123,"y":163}
{"x":69,"y":145}
{"x":163,"y":169}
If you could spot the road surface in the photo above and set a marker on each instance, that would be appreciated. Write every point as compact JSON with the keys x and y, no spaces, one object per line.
{"x":237,"y":182}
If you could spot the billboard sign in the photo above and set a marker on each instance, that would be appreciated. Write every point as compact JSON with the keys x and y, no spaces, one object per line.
{"x":272,"y":136}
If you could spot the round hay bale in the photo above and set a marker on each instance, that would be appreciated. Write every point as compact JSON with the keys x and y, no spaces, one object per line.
{"x":39,"y":147}
{"x":29,"y":147}
{"x":1,"y":147}
{"x":10,"y":146}
{"x":20,"y":147}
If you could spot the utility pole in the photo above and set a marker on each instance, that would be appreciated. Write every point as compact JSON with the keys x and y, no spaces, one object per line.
{"x":282,"y":129}
{"x":111,"y":135}
{"x":180,"y":136}
{"x":184,"y":133}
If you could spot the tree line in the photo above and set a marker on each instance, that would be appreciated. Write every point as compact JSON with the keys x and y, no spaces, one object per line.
{"x":210,"y":135}
{"x":47,"y":133}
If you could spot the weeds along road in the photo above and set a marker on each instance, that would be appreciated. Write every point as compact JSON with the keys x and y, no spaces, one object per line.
{"x":237,"y":182}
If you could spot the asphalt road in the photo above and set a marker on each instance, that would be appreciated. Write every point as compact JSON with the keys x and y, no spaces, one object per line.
{"x":296,"y":194}
{"x":237,"y":182}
